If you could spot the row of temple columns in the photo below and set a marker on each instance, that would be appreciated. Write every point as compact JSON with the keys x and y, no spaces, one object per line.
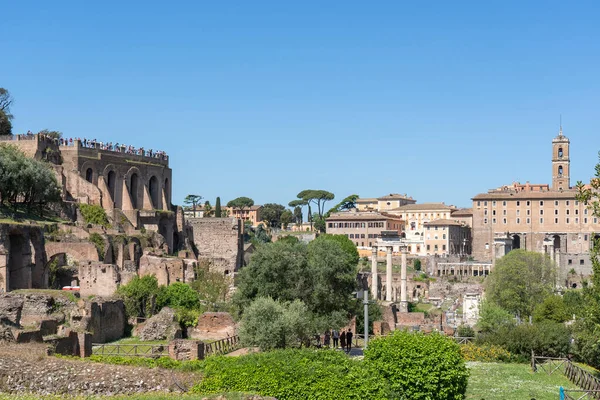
{"x":388,"y":276}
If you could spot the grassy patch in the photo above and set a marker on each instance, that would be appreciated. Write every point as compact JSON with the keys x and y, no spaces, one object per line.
{"x":491,"y":381}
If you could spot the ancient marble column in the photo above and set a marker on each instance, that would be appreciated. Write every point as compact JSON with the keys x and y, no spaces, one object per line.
{"x":374,"y":276}
{"x":388,"y":274}
{"x":403,"y":286}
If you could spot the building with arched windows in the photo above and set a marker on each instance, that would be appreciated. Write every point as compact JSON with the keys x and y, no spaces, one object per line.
{"x":544,"y":218}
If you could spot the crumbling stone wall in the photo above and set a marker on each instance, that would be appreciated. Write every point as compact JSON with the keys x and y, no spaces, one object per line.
{"x":220,"y":242}
{"x":22,"y":257}
{"x":104,"y":318}
{"x":166,"y":270}
{"x":212,"y":326}
{"x":98,"y":279}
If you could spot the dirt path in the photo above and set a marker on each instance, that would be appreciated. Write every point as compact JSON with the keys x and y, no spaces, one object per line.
{"x":26,"y":368}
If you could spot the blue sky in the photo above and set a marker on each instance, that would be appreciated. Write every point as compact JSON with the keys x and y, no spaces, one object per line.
{"x":440,"y":100}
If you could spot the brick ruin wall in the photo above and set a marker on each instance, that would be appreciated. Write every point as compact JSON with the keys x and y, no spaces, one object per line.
{"x":219,"y":241}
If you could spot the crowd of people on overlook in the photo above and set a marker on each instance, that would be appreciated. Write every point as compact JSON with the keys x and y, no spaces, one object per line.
{"x":340,"y":339}
{"x":94,"y":144}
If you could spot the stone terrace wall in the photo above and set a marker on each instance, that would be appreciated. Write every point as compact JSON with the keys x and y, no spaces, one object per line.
{"x":220,"y":241}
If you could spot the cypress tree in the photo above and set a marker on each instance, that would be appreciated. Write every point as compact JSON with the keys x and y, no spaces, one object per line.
{"x":218,"y":208}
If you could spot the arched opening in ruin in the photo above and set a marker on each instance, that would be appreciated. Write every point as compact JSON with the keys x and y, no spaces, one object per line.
{"x":89,"y":175}
{"x":556,"y":243}
{"x":516,"y":242}
{"x":134,"y":183}
{"x":112,"y":184}
{"x":574,"y":286}
{"x":63,"y":271}
{"x":168,"y":205}
{"x":154,"y":190}
{"x":19,"y":262}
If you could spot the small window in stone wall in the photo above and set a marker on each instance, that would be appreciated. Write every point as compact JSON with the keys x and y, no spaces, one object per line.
{"x":581,"y":262}
{"x":570,"y":262}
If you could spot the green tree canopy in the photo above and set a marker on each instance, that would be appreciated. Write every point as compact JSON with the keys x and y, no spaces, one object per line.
{"x":348,"y":203}
{"x":317,"y":197}
{"x":51,"y":134}
{"x":346,"y":245}
{"x":140,"y":295}
{"x":286,"y":218}
{"x":320,"y":275}
{"x":240,"y":203}
{"x":218,"y":211}
{"x":25,"y":180}
{"x":520,"y":281}
{"x":297,"y":214}
{"x":553,"y":308}
{"x":193,"y":200}
{"x":5,"y":124}
{"x":272,"y":212}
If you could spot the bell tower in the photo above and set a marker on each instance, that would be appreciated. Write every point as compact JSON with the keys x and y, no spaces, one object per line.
{"x":561,"y":162}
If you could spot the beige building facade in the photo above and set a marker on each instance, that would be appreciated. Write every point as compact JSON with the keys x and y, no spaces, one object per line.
{"x":249,"y":214}
{"x":384,"y":203}
{"x":363,"y":227}
{"x":447,"y":237}
{"x":537,"y":217}
{"x":416,"y":216}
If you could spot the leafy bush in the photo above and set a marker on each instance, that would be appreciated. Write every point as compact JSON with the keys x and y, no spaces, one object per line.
{"x":465,"y":331}
{"x":270,"y":324}
{"x":98,"y":241}
{"x":485,"y":353}
{"x":547,"y":338}
{"x":553,"y":308}
{"x":293,"y":374}
{"x":93,"y":214}
{"x":419,"y":366}
{"x":417,"y":265}
{"x":140,"y":295}
{"x":177,"y":295}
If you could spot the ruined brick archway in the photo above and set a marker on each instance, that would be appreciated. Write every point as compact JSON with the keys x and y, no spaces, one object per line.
{"x":79,"y":251}
{"x":88,"y":172}
{"x":134,"y":182}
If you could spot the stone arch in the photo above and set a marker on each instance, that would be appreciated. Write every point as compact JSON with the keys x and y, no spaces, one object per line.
{"x":516,"y":242}
{"x":83,"y":251}
{"x":136,"y":189}
{"x":167,"y":192}
{"x":154,"y":190}
{"x":88,"y":172}
{"x":18,"y":265}
{"x":110,"y":179}
{"x":556,"y":241}
{"x":560,"y":152}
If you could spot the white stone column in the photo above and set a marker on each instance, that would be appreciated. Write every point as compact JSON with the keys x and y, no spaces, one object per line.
{"x":388,"y":274}
{"x":374,"y":276}
{"x":403,"y":286}
{"x":551,"y":251}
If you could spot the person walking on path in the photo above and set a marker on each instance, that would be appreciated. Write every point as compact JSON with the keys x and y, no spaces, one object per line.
{"x":336,"y":338}
{"x":326,"y":339}
{"x":349,"y":341}
{"x":343,"y":339}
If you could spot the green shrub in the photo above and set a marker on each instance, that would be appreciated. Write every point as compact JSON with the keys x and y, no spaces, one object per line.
{"x":98,"y":241}
{"x":417,"y":265}
{"x":419,"y":366}
{"x":93,"y":214}
{"x":176,"y":295}
{"x":485,"y":353}
{"x":547,"y":338}
{"x":293,"y":374}
{"x":271,"y":324}
{"x":140,"y":295}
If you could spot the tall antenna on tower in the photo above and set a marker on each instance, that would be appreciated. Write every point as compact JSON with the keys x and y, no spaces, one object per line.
{"x":560,"y":131}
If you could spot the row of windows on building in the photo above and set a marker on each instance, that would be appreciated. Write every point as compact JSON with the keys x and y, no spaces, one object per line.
{"x":527,"y":203}
{"x":556,"y":212}
{"x":356,"y":225}
{"x":528,"y":220}
{"x":362,"y":236}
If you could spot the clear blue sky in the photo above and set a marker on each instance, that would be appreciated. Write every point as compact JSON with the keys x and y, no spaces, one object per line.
{"x":264,"y":99}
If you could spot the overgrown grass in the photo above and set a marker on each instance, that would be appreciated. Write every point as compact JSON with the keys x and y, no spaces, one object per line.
{"x":499,"y":381}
